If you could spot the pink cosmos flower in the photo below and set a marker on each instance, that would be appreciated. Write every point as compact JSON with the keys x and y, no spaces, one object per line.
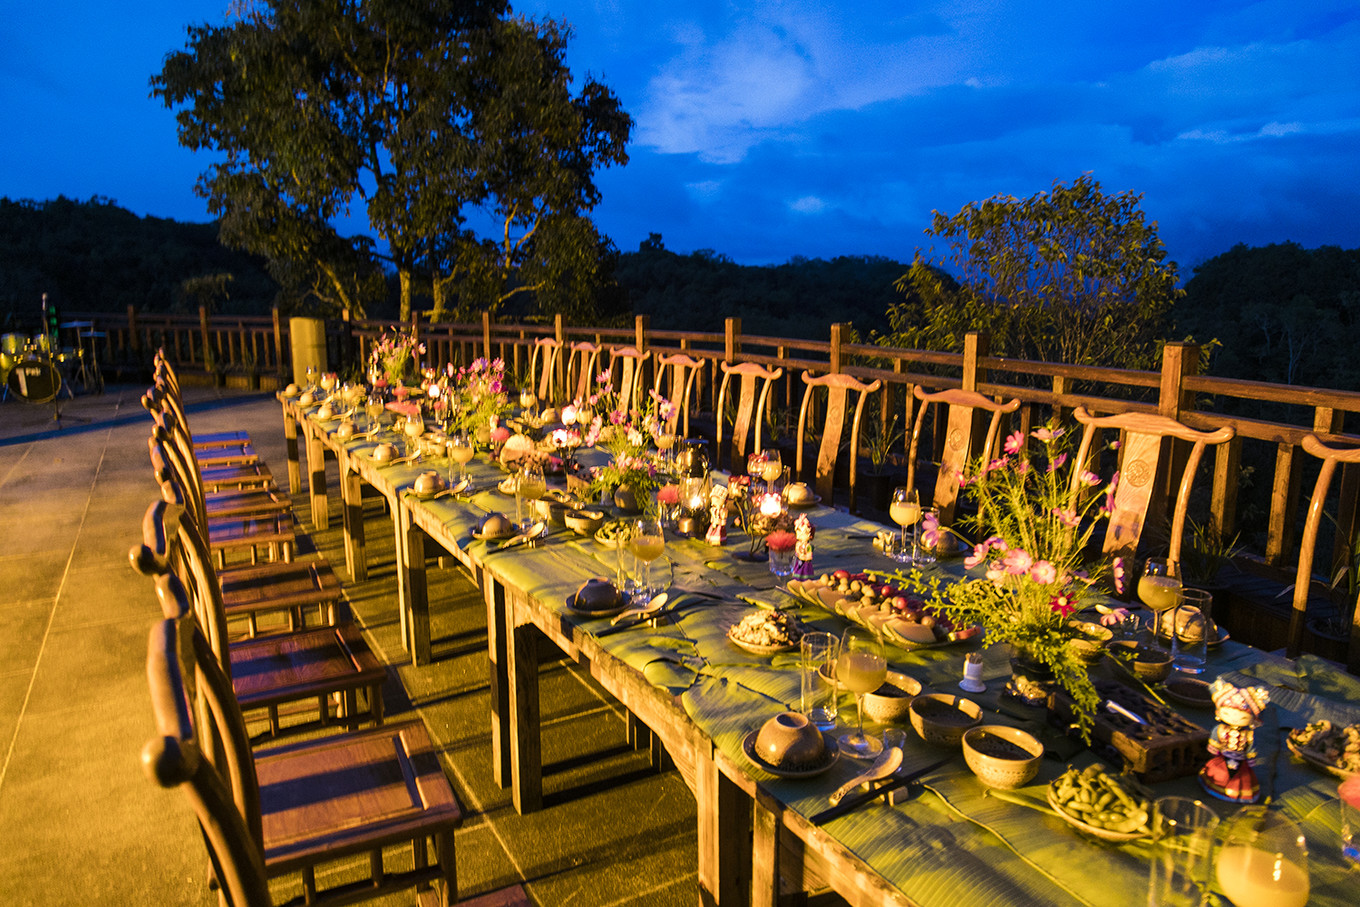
{"x":998,"y":463}
{"x":1047,"y":435}
{"x":1043,"y":573}
{"x":569,"y":413}
{"x":1109,"y":495}
{"x":930,"y":529}
{"x":1015,"y":442}
{"x":979,"y":555}
{"x":1018,"y":561}
{"x":1089,"y":479}
{"x":603,"y":377}
{"x":997,"y":543}
{"x":1057,"y":462}
{"x":1065,"y":516}
{"x":1114,"y":618}
{"x":1117,"y":571}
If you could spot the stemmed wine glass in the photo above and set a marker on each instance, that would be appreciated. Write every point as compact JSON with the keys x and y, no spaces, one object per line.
{"x":1160,"y":589}
{"x":460,"y":451}
{"x":905,"y":511}
{"x":532,"y":485}
{"x":648,"y":542}
{"x":755,"y":465}
{"x":771,"y":469}
{"x":860,"y":668}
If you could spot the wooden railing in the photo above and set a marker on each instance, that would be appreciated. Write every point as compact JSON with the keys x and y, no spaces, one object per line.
{"x":1047,"y":390}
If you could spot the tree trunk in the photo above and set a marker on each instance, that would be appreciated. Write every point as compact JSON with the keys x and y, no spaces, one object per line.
{"x":404,"y":277}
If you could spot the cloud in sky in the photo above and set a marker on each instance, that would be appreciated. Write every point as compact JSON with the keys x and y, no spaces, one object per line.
{"x":776,"y":129}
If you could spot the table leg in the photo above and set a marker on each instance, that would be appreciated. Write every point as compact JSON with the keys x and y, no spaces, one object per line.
{"x":316,"y":478}
{"x":290,"y":437}
{"x":765,"y":823}
{"x":416,"y":604}
{"x":352,"y":496}
{"x":724,"y":837}
{"x":494,"y":594}
{"x":526,"y":757}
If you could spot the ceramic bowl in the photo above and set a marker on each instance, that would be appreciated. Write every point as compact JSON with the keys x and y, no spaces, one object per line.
{"x":891,"y":701}
{"x":1089,"y":642}
{"x":428,"y":482}
{"x":1004,"y":757}
{"x":291,"y":390}
{"x":495,"y":526}
{"x":344,"y":431}
{"x":798,"y":493}
{"x":942,"y":718}
{"x":385,"y":453}
{"x":789,"y":741}
{"x":553,"y":511}
{"x":1150,"y":664}
{"x":307,"y":399}
{"x":584,"y":522}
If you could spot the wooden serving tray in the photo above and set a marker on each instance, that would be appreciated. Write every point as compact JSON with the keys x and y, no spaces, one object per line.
{"x":1168,"y":746}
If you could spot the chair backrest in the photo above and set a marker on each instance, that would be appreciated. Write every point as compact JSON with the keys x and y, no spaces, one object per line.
{"x":960,"y":440}
{"x":1331,"y":457}
{"x":838,"y":389}
{"x":543,"y":369}
{"x":755,"y":381}
{"x":582,"y":364}
{"x":171,"y":457}
{"x":626,"y":365}
{"x":224,"y":789}
{"x":1141,"y":467}
{"x":675,"y":379}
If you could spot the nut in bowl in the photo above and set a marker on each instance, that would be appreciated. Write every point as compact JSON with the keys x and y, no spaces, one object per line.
{"x":584,"y":522}
{"x":1001,"y":756}
{"x":1089,"y":640}
{"x":942,"y":718}
{"x":892,"y":700}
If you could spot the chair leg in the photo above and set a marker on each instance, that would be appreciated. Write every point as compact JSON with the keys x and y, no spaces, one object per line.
{"x":448,"y":867}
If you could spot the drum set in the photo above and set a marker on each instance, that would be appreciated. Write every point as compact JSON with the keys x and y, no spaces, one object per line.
{"x":34,"y":369}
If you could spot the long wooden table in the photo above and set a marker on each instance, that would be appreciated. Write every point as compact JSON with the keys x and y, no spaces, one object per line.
{"x":699,"y":695}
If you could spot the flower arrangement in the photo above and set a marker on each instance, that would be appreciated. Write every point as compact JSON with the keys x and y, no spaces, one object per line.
{"x":471,"y":399}
{"x":760,"y":514}
{"x":1036,"y":512}
{"x":629,"y":435}
{"x":394,"y":358}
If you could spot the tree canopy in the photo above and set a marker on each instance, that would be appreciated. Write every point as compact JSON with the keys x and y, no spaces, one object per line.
{"x":433,"y":118}
{"x":1072,"y":275}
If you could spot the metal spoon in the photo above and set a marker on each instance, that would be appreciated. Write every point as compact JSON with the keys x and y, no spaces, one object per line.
{"x":888,"y":761}
{"x":638,"y":615}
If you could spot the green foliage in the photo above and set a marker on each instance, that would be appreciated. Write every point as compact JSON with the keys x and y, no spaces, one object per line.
{"x":430,"y":118}
{"x":1276,"y":311}
{"x":94,"y":256}
{"x":1071,"y":275}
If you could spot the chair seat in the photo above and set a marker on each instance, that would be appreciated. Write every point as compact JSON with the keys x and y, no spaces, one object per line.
{"x":231,"y":532}
{"x":272,"y":670}
{"x":278,"y":586}
{"x":228,"y":455}
{"x":221,"y":439}
{"x":345,"y":795}
{"x":255,"y":475}
{"x":241,"y":501}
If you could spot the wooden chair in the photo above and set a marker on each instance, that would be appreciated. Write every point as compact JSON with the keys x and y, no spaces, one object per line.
{"x":293,"y":808}
{"x":1141,"y":465}
{"x":838,"y":389}
{"x":676,"y":376}
{"x":272,"y":530}
{"x":750,"y":406}
{"x":1331,"y":457}
{"x":960,"y":441}
{"x":626,"y":366}
{"x":165,"y":376}
{"x":543,"y":369}
{"x":583,"y":363}
{"x":266,"y":672}
{"x":291,"y":587}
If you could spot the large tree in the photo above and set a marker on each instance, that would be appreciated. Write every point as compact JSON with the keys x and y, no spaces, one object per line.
{"x":1071,"y":275}
{"x":321,"y":108}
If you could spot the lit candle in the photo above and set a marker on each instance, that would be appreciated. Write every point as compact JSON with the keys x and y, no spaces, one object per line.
{"x":771,"y":505}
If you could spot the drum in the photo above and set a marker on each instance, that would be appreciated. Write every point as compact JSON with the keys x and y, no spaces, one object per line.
{"x":12,"y":345}
{"x":34,"y":380}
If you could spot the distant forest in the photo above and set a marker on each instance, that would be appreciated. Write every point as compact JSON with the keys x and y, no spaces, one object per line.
{"x":1276,"y":312}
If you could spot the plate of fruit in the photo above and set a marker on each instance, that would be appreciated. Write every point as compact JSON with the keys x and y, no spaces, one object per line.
{"x":904,"y":620}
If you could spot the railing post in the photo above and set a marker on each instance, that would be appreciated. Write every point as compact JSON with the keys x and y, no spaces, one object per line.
{"x":203,"y":330}
{"x":560,"y":368}
{"x":834,"y":365}
{"x":132,"y":329}
{"x":642,"y":325}
{"x":486,"y":334}
{"x":278,"y":340}
{"x":1179,"y":361}
{"x":976,"y":345}
{"x":732,"y":340}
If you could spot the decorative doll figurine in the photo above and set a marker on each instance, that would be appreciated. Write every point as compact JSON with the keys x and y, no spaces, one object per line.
{"x":717,"y":516}
{"x":803,"y":531}
{"x":1228,"y":774}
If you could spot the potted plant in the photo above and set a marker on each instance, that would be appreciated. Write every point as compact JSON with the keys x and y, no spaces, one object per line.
{"x":880,"y":438}
{"x":1331,"y":632}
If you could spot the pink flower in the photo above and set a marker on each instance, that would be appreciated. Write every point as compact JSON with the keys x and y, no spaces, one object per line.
{"x":668,"y":495}
{"x":1109,"y":495}
{"x":1047,"y":435}
{"x":1018,"y":561}
{"x":1089,"y":479}
{"x":1117,"y":571}
{"x":1043,"y":573}
{"x":996,"y":574}
{"x":569,"y":413}
{"x":1062,"y":605}
{"x":1057,"y":462}
{"x":1015,"y":442}
{"x":997,"y":543}
{"x":500,"y":434}
{"x":1114,"y":618}
{"x":979,"y":555}
{"x":930,"y":530}
{"x":998,"y":463}
{"x":1066,"y":517}
{"x":603,"y":378}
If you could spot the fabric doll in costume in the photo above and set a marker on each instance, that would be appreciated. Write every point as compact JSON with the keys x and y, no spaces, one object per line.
{"x":1228,"y":774}
{"x":717,"y":516}
{"x":803,"y":531}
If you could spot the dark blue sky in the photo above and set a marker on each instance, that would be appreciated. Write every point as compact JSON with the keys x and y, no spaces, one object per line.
{"x":772,"y":129}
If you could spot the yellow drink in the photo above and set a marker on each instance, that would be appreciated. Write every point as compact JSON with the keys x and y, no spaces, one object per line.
{"x":772,"y":470}
{"x":904,"y":514}
{"x":463,"y":453}
{"x":531,"y":489}
{"x":648,"y":548}
{"x":1255,"y":878}
{"x":860,"y":672}
{"x":1160,"y":593}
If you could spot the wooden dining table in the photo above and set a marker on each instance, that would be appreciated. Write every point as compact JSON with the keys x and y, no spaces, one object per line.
{"x":697,"y":696}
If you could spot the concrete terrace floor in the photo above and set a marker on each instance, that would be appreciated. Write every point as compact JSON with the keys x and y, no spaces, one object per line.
{"x":80,"y":823}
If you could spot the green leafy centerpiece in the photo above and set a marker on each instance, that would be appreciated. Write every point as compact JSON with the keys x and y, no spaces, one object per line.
{"x":629,"y":435}
{"x":1036,"y":512}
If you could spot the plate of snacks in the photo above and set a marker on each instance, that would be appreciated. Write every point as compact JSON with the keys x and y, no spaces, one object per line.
{"x":1333,"y":748}
{"x":766,"y":632}
{"x":904,"y":620}
{"x":1100,"y":804}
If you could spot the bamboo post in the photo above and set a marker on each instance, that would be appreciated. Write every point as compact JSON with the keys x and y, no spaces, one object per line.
{"x":486,"y":334}
{"x":278,"y":340}
{"x":135,"y":340}
{"x":642,"y":326}
{"x":203,"y":330}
